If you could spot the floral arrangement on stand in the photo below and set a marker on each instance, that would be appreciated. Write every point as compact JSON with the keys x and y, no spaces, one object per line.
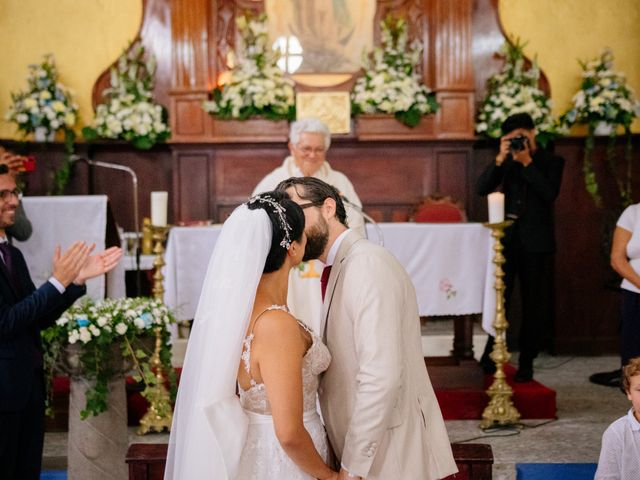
{"x":129,"y":112}
{"x":256,"y":85}
{"x":515,"y":90}
{"x":46,"y":107}
{"x":604,"y":99}
{"x":391,"y":82}
{"x":105,"y":336}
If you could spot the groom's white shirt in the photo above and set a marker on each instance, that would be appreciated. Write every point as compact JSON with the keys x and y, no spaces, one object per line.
{"x":381,"y":414}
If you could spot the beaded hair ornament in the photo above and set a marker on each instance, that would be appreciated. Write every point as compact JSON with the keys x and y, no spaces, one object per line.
{"x":279,"y":211}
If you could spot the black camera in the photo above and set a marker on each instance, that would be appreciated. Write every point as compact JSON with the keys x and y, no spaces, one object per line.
{"x":517,"y":144}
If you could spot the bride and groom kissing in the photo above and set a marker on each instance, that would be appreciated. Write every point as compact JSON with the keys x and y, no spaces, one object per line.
{"x":247,"y":401}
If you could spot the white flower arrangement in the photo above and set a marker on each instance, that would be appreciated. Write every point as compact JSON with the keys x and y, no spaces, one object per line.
{"x":95,"y":327}
{"x":256,"y":87}
{"x":391,"y":82}
{"x":47,"y":104}
{"x":129,"y":112}
{"x":515,"y":90}
{"x":604,"y":95}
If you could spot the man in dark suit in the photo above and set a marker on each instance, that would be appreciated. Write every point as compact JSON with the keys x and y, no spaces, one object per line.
{"x":530,"y":178}
{"x":24,"y":312}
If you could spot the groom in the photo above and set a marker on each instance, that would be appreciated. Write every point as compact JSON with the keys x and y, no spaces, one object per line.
{"x":380,"y":411}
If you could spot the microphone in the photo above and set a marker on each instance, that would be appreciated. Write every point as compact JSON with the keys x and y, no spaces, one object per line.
{"x":367,"y":217}
{"x":134,"y":178}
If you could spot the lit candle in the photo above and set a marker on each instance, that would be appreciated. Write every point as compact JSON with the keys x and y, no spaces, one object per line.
{"x":496,"y":207}
{"x":159,"y":208}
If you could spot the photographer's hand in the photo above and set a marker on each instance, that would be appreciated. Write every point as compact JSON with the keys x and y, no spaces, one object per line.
{"x":504,"y":150}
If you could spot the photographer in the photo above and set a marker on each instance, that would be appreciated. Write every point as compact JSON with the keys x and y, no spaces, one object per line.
{"x":530,"y":179}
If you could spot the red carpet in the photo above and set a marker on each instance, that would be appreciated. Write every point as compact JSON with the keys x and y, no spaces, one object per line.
{"x":532,"y":399}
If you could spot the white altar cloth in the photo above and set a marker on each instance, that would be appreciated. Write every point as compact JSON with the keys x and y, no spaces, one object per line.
{"x":60,"y":220}
{"x":449,"y":264}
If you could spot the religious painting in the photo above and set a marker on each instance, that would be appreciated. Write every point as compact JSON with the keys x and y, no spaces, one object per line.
{"x":321,"y":36}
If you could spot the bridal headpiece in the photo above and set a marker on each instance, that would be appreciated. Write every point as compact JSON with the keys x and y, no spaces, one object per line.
{"x":279,"y":210}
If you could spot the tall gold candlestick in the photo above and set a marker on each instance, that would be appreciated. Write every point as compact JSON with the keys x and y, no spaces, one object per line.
{"x":500,"y":411}
{"x":159,"y":414}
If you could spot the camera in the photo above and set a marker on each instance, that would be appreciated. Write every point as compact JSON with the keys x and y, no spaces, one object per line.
{"x":517,"y":144}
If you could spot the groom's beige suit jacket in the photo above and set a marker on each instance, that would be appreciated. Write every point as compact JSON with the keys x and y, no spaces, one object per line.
{"x":380,"y":411}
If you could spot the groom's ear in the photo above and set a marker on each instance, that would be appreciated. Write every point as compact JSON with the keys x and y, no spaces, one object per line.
{"x":329,"y":208}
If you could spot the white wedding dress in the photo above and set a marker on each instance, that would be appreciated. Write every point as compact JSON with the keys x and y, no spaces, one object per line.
{"x":262,"y":457}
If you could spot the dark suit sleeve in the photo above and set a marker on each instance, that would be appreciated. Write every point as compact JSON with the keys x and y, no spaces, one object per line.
{"x":490,"y":178}
{"x":545,"y":184}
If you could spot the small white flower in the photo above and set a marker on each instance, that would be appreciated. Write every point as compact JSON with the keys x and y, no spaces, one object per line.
{"x":121,"y":328}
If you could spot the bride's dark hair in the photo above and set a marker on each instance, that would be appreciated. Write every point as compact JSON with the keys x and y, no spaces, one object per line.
{"x":283,"y":212}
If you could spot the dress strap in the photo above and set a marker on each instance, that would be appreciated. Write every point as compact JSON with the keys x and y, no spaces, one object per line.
{"x":246,"y":352}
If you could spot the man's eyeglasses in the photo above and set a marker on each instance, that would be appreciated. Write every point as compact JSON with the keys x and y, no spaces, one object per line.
{"x":309,"y":150}
{"x":311,"y":204}
{"x":6,"y":194}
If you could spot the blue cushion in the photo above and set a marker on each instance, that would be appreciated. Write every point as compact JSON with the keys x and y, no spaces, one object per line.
{"x":53,"y":475}
{"x":555,"y":471}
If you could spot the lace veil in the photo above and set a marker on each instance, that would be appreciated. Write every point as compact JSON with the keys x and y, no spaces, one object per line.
{"x":209,"y":426}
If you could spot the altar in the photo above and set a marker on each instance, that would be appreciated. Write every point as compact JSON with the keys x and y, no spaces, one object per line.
{"x":449,"y":265}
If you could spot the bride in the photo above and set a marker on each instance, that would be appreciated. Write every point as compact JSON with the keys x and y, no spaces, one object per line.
{"x":244,"y":337}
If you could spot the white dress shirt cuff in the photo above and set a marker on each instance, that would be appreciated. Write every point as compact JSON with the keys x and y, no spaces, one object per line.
{"x":54,"y":281}
{"x":347,"y":470}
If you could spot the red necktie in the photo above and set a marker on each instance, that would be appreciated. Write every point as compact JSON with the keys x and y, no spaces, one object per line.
{"x":324,"y":279}
{"x":5,"y":249}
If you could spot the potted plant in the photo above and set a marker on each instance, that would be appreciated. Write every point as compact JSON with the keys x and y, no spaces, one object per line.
{"x":604,"y":102}
{"x":392,"y":84}
{"x":256,"y":91}
{"x":96,"y":343}
{"x":129,"y":112}
{"x":515,"y":90}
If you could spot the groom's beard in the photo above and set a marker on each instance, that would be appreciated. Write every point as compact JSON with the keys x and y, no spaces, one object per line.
{"x":317,"y":239}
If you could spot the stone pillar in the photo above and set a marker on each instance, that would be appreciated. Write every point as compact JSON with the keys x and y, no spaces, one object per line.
{"x":98,"y":445}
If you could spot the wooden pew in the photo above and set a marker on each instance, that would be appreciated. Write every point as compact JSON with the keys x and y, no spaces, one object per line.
{"x":146,"y":461}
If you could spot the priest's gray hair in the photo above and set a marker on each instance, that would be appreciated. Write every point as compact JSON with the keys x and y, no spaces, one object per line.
{"x":310,"y":125}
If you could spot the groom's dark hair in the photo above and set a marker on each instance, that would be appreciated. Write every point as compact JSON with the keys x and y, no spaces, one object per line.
{"x":316,"y":192}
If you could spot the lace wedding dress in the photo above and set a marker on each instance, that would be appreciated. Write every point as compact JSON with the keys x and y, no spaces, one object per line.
{"x":263,"y":458}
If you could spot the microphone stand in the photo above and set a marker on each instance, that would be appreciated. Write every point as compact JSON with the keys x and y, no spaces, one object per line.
{"x":368,"y":218}
{"x":134,"y":179}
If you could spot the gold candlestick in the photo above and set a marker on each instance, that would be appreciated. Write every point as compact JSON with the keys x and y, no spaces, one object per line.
{"x":159,"y":414}
{"x":500,"y":411}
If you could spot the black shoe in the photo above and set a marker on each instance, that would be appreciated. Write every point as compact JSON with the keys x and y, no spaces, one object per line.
{"x":523,"y":375}
{"x":488,"y":367}
{"x":607,"y":379}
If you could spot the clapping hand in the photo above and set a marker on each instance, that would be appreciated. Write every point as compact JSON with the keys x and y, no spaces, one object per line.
{"x":99,"y":264}
{"x":15,"y":163}
{"x":67,"y":265}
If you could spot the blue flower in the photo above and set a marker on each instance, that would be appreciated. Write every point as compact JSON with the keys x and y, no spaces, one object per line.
{"x":82,"y":322}
{"x":147,"y":319}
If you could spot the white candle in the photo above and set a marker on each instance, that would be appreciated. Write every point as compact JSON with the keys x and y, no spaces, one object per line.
{"x":496,"y":207}
{"x":159,"y":208}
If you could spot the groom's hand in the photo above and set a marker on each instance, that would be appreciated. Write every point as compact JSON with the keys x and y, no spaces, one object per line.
{"x":344,"y":475}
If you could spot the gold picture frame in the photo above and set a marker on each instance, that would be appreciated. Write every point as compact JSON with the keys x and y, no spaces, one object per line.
{"x":333,"y":108}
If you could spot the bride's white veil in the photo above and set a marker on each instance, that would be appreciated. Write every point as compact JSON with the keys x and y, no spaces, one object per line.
{"x":198,"y":447}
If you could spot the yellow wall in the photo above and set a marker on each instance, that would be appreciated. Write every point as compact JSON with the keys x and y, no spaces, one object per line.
{"x":85,"y":36}
{"x":562,"y":31}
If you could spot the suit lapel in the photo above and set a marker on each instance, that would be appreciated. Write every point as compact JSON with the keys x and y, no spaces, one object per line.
{"x":7,"y":276}
{"x":336,"y":269}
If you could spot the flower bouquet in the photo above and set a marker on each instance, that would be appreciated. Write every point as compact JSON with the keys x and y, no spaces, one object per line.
{"x":46,"y":106}
{"x":391,"y":82}
{"x":256,"y":87}
{"x":100,"y":340}
{"x":129,"y":112}
{"x":515,"y":90}
{"x":604,"y":98}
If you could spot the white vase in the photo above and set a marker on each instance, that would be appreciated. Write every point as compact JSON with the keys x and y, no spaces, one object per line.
{"x":603,"y":129}
{"x":41,"y":134}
